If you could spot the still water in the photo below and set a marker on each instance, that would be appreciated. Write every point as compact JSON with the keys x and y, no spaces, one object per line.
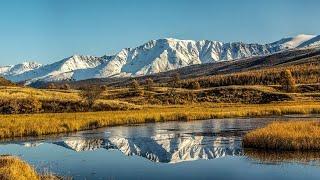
{"x":210,"y":149}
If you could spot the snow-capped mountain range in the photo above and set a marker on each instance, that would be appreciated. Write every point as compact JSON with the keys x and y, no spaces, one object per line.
{"x":152,"y":57}
{"x":163,"y":148}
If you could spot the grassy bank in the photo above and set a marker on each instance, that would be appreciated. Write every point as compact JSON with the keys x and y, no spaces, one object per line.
{"x":24,"y":100}
{"x":294,"y":135}
{"x":42,"y":124}
{"x":12,"y":168}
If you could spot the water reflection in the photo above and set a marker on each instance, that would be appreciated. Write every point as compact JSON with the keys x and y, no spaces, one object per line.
{"x":165,"y":148}
{"x":277,"y":157}
{"x":164,"y":151}
{"x":173,"y":142}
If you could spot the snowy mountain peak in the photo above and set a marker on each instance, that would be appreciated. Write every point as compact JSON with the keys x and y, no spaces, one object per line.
{"x":305,"y":36}
{"x":170,"y":39}
{"x":315,"y":41}
{"x":19,"y":68}
{"x":294,"y":42}
{"x":76,"y":62}
{"x":152,"y":57}
{"x":27,"y":65}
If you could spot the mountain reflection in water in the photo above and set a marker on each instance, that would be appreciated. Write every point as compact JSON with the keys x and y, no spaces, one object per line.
{"x":165,"y":148}
{"x":176,"y":142}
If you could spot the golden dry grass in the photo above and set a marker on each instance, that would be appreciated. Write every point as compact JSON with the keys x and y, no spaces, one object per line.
{"x":12,"y":168}
{"x":10,"y":94}
{"x":292,"y":135}
{"x":42,"y":124}
{"x":51,"y":123}
{"x":25,"y":92}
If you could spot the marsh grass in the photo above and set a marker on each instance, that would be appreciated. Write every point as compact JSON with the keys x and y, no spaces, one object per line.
{"x":292,"y":135}
{"x":51,"y":123}
{"x":12,"y":168}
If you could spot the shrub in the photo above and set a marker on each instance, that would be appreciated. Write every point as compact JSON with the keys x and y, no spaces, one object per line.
{"x":135,"y":84}
{"x":135,"y":88}
{"x":175,"y":80}
{"x":51,"y":86}
{"x":9,"y":107}
{"x":20,"y":106}
{"x":103,"y":87}
{"x":288,"y":83}
{"x":91,"y":95}
{"x":173,"y":96}
{"x":195,"y":85}
{"x":66,"y":87}
{"x":149,"y":84}
{"x":29,"y":105}
{"x":64,"y":106}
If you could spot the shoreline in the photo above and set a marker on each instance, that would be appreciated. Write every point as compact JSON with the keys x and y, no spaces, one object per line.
{"x":64,"y":134}
{"x":35,"y":125}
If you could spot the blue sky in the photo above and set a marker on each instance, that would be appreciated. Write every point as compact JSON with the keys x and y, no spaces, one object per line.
{"x":49,"y":30}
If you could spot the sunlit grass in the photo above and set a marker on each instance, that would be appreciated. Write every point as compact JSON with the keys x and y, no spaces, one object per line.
{"x":41,"y":94}
{"x":50,"y":123}
{"x":293,"y":135}
{"x":42,"y":124}
{"x":12,"y":168}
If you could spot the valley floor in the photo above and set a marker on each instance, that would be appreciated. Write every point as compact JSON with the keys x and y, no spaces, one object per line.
{"x":35,"y":112}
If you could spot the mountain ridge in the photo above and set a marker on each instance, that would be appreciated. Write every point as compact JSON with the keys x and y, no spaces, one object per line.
{"x":152,"y":57}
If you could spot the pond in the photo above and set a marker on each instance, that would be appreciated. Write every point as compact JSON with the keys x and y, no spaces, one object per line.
{"x":209,"y":149}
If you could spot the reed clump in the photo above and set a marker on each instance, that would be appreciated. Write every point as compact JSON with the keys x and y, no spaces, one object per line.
{"x":291,"y":135}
